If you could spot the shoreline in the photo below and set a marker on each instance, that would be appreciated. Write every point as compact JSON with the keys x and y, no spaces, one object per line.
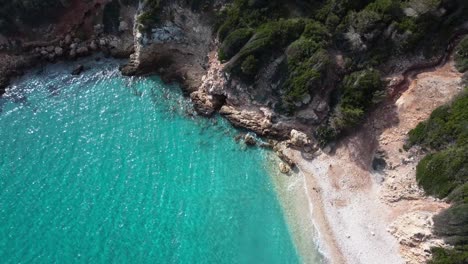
{"x":359,"y":216}
{"x":335,"y":240}
{"x":341,"y":218}
{"x":306,"y":219}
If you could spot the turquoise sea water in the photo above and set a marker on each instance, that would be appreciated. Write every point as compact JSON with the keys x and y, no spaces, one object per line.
{"x":105,"y":169}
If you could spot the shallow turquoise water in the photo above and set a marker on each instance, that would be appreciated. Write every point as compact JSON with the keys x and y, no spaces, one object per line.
{"x":100,"y":168}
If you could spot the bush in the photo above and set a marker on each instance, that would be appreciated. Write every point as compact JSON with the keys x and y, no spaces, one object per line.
{"x":300,"y":50}
{"x":459,"y":194}
{"x":452,"y":224}
{"x":306,"y":73}
{"x":150,"y":15}
{"x":458,"y":255}
{"x":250,"y":66}
{"x":248,"y":14}
{"x":461,"y":55}
{"x":358,"y":91}
{"x":270,"y":37}
{"x":446,"y":125}
{"x":316,"y":32}
{"x":233,"y":43}
{"x":273,"y":36}
{"x":440,"y":173}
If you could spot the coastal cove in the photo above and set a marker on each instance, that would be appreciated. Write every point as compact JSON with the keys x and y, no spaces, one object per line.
{"x":103,"y":168}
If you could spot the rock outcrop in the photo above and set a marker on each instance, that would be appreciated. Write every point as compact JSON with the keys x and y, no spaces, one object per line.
{"x":177,"y":48}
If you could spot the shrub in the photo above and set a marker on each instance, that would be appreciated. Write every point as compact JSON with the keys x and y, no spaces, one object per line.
{"x":230,"y":23}
{"x":150,"y":15}
{"x":273,"y":35}
{"x":301,"y":50}
{"x":440,"y":173}
{"x":446,"y":125}
{"x":306,"y":72}
{"x":325,"y":134}
{"x":452,"y":224}
{"x":270,"y":37}
{"x":316,"y":32}
{"x":233,"y":43}
{"x":459,"y":194}
{"x":458,"y":255}
{"x":30,"y":12}
{"x":250,"y":66}
{"x":358,"y":91}
{"x":248,"y":14}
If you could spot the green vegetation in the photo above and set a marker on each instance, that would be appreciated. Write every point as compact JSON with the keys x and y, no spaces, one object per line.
{"x":366,"y":33}
{"x":248,"y":14}
{"x":444,"y":174}
{"x":446,"y":126}
{"x":458,"y":255}
{"x":359,"y":92}
{"x":26,"y":11}
{"x":305,"y":76}
{"x":233,"y":43}
{"x":150,"y":15}
{"x":250,"y":66}
{"x":461,"y":55}
{"x":268,"y":38}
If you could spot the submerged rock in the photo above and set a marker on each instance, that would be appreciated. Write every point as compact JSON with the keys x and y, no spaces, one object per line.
{"x":250,"y":140}
{"x":284,"y":168}
{"x":78,"y":70}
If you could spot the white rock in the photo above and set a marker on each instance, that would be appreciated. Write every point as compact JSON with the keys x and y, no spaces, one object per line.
{"x":58,"y":51}
{"x":298,"y":138}
{"x":102,"y":42}
{"x":123,"y":26}
{"x":284,"y":168}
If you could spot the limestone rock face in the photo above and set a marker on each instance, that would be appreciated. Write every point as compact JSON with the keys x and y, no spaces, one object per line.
{"x":175,"y":49}
{"x":206,"y":104}
{"x":250,"y":119}
{"x":415,"y":231}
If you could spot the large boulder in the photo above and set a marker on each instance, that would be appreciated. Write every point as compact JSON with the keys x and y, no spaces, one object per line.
{"x":58,"y":51}
{"x":298,"y":138}
{"x":82,"y":51}
{"x":206,"y":104}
